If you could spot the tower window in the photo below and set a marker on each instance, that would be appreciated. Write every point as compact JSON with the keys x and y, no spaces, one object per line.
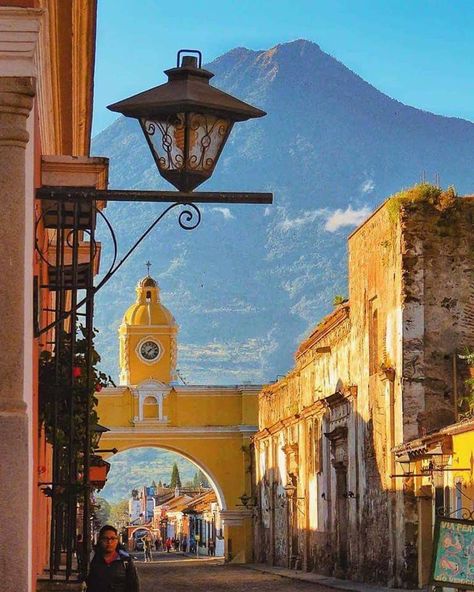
{"x":150,"y":408}
{"x":373,"y":341}
{"x":148,"y":295}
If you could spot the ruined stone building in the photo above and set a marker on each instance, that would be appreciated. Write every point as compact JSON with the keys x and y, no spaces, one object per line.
{"x":376,"y":373}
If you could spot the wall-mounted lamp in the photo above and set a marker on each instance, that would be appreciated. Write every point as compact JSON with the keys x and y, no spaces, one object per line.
{"x":351,"y":494}
{"x":186,"y":121}
{"x":247,"y":501}
{"x":290,"y":492}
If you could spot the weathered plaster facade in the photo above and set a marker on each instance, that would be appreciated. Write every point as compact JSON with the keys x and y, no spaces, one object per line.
{"x":373,"y":375}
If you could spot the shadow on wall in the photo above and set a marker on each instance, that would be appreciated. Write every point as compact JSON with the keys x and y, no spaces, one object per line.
{"x":326,"y":502}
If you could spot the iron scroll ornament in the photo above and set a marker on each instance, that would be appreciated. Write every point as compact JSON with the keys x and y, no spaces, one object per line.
{"x":461,"y":513}
{"x":189,"y":218}
{"x":204,"y":133}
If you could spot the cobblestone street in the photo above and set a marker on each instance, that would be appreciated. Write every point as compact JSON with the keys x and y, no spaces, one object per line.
{"x":178,"y":574}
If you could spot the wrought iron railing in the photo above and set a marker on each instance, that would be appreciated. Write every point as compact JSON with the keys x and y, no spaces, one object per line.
{"x":67,"y":376}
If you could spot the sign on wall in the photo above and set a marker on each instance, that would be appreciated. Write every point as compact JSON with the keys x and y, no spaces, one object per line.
{"x":453,"y":553}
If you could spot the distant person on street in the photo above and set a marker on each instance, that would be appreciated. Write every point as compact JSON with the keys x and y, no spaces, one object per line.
{"x":211,"y":548}
{"x":111,"y":567}
{"x":184,"y":545}
{"x":157,"y":544}
{"x":148,"y":545}
{"x":168,"y":545}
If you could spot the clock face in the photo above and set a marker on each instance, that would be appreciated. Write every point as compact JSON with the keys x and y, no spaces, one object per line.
{"x":149,"y":350}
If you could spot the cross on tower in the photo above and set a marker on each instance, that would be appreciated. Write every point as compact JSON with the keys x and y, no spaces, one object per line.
{"x":148,"y":265}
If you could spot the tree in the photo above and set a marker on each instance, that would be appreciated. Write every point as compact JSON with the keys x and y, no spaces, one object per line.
{"x":103,"y":510}
{"x":200,"y":480}
{"x":119,"y":516}
{"x":175,"y":478}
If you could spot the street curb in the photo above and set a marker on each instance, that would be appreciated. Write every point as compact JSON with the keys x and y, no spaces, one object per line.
{"x":335,"y":583}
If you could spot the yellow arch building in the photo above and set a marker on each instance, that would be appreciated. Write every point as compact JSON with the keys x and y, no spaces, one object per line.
{"x":209,"y":425}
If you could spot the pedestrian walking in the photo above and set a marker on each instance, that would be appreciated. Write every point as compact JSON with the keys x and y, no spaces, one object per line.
{"x":157,"y":544}
{"x":111,"y":567}
{"x":211,"y":547}
{"x":168,"y":545}
{"x":148,"y":546}
{"x":184,"y":545}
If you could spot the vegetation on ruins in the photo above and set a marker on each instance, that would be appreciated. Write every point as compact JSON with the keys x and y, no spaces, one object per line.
{"x":422,"y":193}
{"x":338,"y":299}
{"x":466,"y":400}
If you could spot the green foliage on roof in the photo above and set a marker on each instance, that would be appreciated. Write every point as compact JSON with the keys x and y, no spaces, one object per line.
{"x":422,"y":193}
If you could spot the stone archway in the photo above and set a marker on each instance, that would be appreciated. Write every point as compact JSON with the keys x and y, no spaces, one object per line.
{"x":211,"y":426}
{"x":207,"y":472}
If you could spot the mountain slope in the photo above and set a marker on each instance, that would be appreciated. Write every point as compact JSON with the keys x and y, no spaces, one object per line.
{"x":250,"y":280}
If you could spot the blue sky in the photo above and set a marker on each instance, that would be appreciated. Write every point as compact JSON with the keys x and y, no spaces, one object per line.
{"x":417,"y":51}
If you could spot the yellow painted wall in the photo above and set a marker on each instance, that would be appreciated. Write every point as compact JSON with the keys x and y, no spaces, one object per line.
{"x":209,"y":425}
{"x":139,"y":371}
{"x":463,"y":458}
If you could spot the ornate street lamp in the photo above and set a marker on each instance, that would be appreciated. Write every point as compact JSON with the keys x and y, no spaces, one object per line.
{"x":186,"y":121}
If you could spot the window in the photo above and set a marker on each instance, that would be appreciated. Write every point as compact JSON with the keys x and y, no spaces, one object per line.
{"x":373,"y":339}
{"x":317,"y":446}
{"x":314,"y":445}
{"x":150,"y":408}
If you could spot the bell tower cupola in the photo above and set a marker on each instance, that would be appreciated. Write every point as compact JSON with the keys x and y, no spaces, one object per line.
{"x":147,"y":338}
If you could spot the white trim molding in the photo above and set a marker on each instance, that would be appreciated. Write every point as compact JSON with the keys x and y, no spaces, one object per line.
{"x":19,"y":36}
{"x":145,"y":430}
{"x":158,"y":391}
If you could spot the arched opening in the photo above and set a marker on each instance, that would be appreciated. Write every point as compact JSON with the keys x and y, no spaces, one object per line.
{"x":172,"y":496}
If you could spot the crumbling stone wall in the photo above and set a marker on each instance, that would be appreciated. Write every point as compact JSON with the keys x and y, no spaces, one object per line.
{"x":438,"y":264}
{"x":374,"y":375}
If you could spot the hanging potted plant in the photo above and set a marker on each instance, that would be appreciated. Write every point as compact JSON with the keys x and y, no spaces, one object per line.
{"x":67,"y":385}
{"x":98,"y":471}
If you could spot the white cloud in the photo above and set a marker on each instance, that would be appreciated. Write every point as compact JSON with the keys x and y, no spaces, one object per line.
{"x":306,"y":217}
{"x":236,"y":305}
{"x":175,"y":264}
{"x":237,"y":362}
{"x":295,"y":285}
{"x":228,"y":215}
{"x":267,"y":211}
{"x":347,"y":217}
{"x":367,"y":186}
{"x":305,"y":309}
{"x":253,"y":350}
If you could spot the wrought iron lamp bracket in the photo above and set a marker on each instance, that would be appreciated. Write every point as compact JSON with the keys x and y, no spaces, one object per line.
{"x":461,"y":513}
{"x":188,"y":219}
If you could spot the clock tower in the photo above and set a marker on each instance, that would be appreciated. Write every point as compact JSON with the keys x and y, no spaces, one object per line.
{"x":147,"y":339}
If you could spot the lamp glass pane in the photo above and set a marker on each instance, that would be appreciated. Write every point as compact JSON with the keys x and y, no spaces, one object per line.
{"x":166,"y":138}
{"x":205,"y":137}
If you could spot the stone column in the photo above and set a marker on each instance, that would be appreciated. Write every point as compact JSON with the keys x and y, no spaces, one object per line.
{"x":238,"y":535}
{"x":16,"y":99}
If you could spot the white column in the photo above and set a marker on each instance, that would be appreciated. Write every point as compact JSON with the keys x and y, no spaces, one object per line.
{"x":16,"y":99}
{"x":19,"y":30}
